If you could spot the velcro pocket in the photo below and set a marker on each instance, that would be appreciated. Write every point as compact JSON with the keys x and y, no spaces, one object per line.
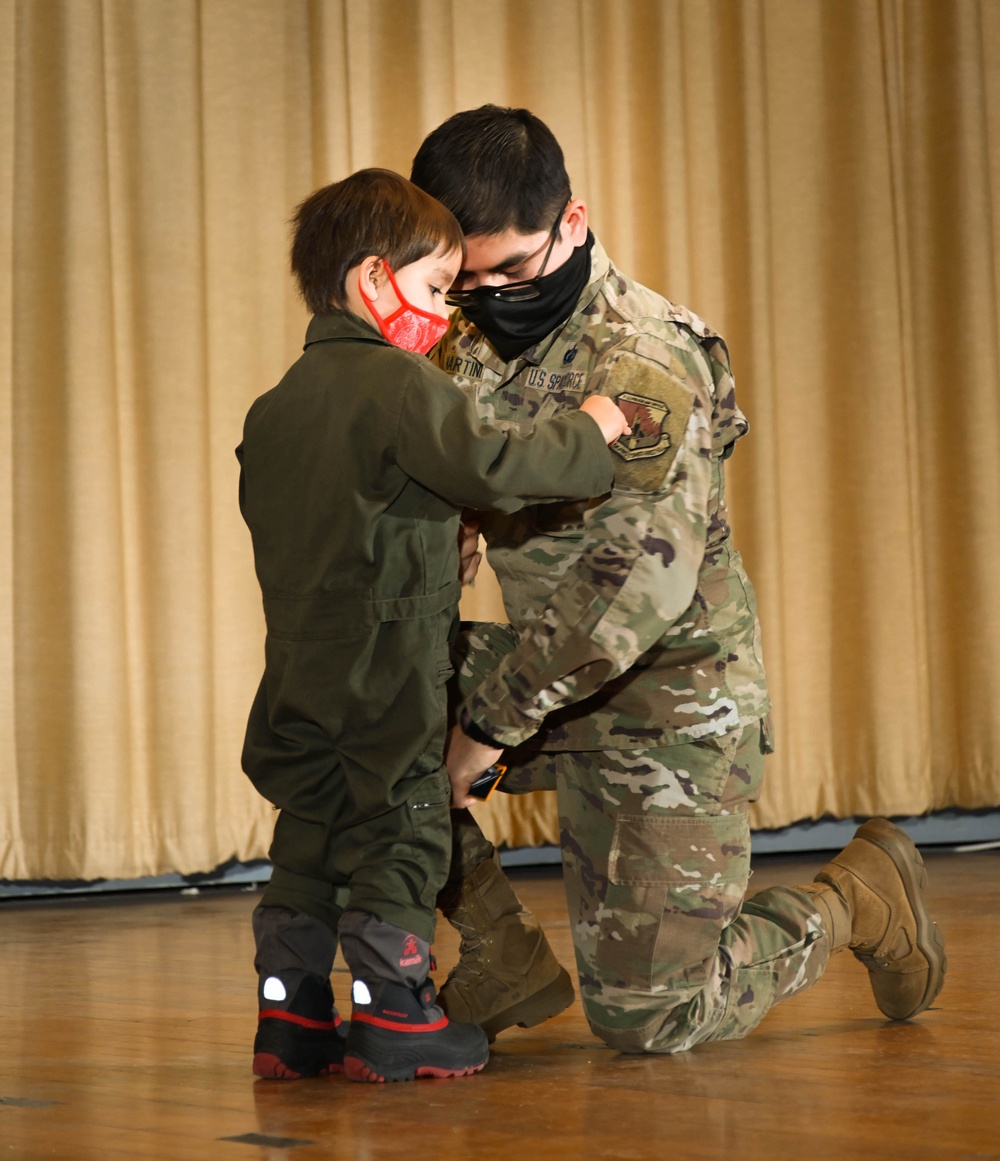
{"x":688,"y":850}
{"x":675,"y":882}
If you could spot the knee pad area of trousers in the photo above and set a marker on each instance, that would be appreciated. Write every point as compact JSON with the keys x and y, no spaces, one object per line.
{"x":663,"y":1031}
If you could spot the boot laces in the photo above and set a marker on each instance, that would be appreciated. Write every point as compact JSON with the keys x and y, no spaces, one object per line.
{"x":468,"y":957}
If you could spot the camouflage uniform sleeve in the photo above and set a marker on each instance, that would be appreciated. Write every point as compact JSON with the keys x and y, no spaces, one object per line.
{"x":637,"y":569}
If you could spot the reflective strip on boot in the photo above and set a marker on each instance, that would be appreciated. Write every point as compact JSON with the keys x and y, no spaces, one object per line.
{"x":303,"y":1038}
{"x":404,"y":1015}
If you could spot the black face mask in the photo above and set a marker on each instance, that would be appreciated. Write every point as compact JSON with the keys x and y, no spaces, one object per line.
{"x":513,"y":325}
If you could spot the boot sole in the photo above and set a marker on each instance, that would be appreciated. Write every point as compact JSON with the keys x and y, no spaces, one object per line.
{"x":375,"y":1055}
{"x":554,"y":998}
{"x":357,"y":1070}
{"x":898,"y":845}
{"x":267,"y":1066}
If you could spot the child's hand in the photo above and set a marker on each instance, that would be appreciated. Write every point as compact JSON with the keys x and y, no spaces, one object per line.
{"x":469,"y":555}
{"x":608,"y":416}
{"x":466,"y":759}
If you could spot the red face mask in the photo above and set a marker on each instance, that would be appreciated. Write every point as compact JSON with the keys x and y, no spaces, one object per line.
{"x":408,"y":327}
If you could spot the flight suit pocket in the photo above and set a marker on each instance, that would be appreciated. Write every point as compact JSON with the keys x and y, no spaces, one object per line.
{"x":429,"y":812}
{"x":324,"y":616}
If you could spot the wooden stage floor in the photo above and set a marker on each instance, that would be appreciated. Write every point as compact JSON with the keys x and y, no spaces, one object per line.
{"x":127,"y":1024}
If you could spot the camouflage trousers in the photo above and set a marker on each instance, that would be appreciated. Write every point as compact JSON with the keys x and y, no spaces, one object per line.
{"x":656,"y":857}
{"x":656,"y":863}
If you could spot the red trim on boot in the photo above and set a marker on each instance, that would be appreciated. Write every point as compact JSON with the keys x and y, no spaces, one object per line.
{"x":393,"y":1026}
{"x":302,"y":1021}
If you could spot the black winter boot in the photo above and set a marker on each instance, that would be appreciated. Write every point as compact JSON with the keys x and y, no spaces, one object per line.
{"x":397,"y":1031}
{"x":298,"y":1029}
{"x":302,"y":1037}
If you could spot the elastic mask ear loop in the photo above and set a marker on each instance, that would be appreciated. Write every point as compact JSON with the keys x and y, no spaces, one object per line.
{"x":405,"y":304}
{"x":409,"y":327}
{"x":370,"y":303}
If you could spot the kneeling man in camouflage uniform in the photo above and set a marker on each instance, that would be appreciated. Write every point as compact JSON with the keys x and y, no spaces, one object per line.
{"x":629,"y":678}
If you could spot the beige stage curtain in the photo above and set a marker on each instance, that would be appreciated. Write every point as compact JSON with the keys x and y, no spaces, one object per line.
{"x":817,"y":178}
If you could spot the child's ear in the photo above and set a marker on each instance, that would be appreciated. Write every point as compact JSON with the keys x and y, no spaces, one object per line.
{"x":372,"y":276}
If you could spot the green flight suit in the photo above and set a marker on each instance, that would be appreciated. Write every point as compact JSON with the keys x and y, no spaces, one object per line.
{"x":353,"y":472}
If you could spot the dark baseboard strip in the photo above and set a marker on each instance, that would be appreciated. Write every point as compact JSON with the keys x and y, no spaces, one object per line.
{"x":960,"y":830}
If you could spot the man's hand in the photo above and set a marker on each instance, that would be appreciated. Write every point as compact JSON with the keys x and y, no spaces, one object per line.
{"x":466,"y":759}
{"x":469,"y":555}
{"x":608,"y":416}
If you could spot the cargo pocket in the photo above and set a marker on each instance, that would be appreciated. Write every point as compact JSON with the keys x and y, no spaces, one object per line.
{"x":429,"y":813}
{"x":673,"y":885}
{"x":433,"y":755}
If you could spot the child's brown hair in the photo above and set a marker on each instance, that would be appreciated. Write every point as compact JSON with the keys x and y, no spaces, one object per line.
{"x":374,"y":211}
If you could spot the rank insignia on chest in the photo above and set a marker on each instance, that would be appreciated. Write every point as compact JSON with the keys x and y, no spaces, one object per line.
{"x":648,"y":435}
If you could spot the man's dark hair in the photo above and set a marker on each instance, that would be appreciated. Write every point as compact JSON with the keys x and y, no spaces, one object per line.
{"x":374,"y":211}
{"x":494,"y":168}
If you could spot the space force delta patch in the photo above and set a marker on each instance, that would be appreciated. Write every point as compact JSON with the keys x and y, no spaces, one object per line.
{"x":648,"y":435}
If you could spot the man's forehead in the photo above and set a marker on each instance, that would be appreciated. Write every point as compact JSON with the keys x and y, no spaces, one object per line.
{"x":486,"y":253}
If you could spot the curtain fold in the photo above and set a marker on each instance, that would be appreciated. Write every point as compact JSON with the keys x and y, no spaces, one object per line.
{"x":816,"y":178}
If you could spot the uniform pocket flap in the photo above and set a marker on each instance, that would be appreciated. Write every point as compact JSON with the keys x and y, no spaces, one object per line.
{"x":697,"y":849}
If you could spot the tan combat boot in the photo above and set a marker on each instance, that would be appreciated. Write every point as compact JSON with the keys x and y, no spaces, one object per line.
{"x":871,"y":898}
{"x":506,"y":973}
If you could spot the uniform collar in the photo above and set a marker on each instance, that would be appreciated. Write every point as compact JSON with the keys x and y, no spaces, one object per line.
{"x":341,"y":324}
{"x":574,"y":326}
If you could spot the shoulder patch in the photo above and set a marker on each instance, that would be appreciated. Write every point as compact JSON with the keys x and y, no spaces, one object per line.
{"x":658,"y":407}
{"x":649,"y":434}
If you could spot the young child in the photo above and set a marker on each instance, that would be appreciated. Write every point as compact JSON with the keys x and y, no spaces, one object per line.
{"x":353,"y":472}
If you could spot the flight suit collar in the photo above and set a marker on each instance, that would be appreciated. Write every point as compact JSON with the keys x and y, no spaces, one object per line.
{"x":341,"y":324}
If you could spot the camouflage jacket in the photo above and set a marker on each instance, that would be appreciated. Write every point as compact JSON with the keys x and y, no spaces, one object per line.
{"x":636,"y":623}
